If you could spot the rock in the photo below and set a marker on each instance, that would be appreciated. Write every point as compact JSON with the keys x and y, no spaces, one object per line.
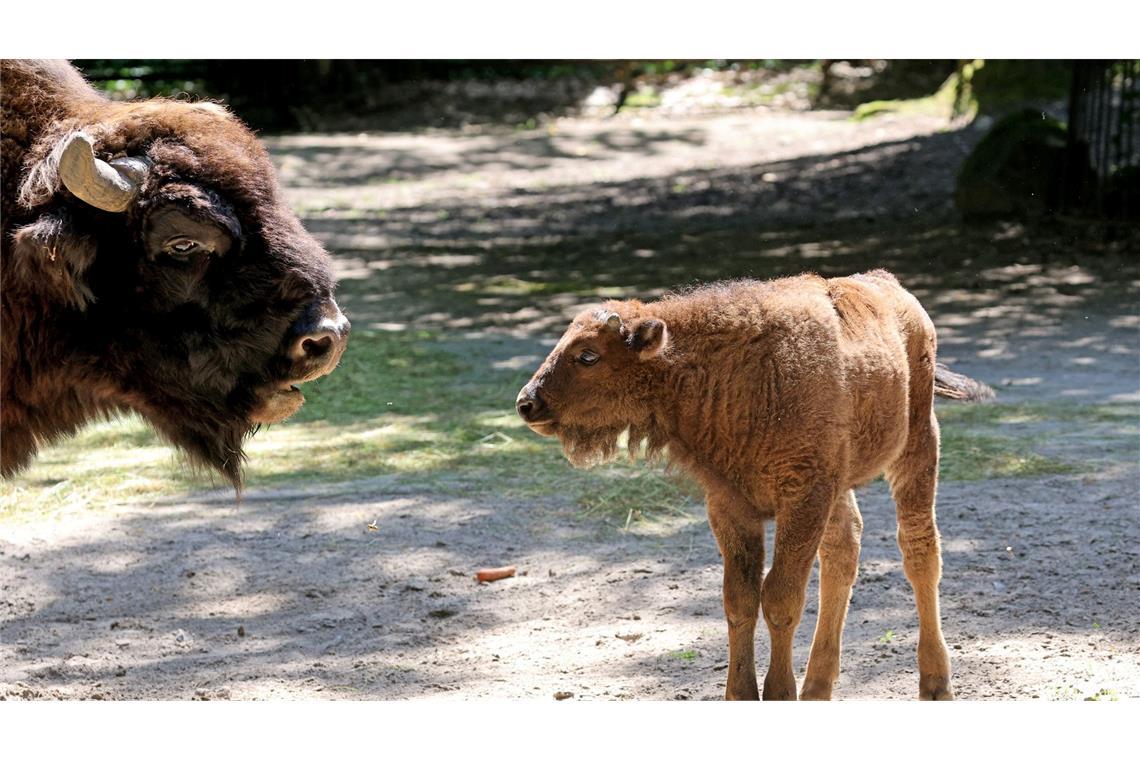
{"x":561,"y":695}
{"x":1016,"y":170}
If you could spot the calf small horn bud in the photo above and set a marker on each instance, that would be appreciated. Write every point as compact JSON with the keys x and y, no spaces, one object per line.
{"x":106,"y":186}
{"x":613,"y":322}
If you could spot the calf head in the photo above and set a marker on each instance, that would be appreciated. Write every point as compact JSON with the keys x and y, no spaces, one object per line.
{"x":599,"y":381}
{"x":176,"y":281}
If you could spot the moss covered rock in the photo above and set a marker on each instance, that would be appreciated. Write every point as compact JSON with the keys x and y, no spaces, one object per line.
{"x":1017,"y":169}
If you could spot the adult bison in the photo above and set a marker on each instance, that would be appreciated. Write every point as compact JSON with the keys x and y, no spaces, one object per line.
{"x":149,"y":264}
{"x":780,"y":397}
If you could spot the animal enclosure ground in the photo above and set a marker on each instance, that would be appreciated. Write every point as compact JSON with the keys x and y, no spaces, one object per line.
{"x":347,"y":571}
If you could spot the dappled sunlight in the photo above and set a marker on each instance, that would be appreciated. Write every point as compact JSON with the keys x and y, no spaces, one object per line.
{"x":342,"y":573}
{"x":1076,"y":668}
{"x":219,"y":601}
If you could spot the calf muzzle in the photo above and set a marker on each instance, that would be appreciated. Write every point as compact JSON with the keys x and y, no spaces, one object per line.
{"x":529,"y":405}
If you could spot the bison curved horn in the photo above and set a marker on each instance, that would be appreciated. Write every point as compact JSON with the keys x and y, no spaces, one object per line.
{"x":107,"y":186}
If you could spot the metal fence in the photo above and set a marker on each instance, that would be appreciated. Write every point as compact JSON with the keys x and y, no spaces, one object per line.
{"x":1102,"y":177}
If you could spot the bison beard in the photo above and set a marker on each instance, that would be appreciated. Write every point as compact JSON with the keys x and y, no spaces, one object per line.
{"x":589,"y":447}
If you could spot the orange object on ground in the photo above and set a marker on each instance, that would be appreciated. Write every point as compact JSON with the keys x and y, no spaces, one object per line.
{"x":488,"y":574}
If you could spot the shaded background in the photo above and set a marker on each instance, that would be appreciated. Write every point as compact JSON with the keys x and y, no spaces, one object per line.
{"x":1079,"y":158}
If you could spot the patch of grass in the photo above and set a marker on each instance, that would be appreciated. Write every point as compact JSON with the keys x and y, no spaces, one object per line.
{"x":644,"y":97}
{"x":401,"y":404}
{"x":1127,"y":414}
{"x":951,"y":99}
{"x":975,"y":456}
{"x":685,"y":655}
{"x":982,"y":441}
{"x":1066,"y":693}
{"x":887,"y":637}
{"x":1103,"y":695}
{"x":507,"y":285}
{"x":439,"y":417}
{"x":623,"y":495}
{"x":1072,"y":693}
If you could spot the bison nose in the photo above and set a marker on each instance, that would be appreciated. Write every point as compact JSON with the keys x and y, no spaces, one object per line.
{"x":529,"y":405}
{"x":320,"y":332}
{"x":313,"y":346}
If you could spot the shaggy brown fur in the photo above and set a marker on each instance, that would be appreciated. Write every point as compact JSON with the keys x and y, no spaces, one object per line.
{"x":780,"y":397}
{"x":101,"y":313}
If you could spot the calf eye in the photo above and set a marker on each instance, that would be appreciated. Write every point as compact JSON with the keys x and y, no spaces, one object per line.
{"x":588,"y":357}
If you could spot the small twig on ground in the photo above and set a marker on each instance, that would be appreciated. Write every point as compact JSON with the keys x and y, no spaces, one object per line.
{"x":491,"y":438}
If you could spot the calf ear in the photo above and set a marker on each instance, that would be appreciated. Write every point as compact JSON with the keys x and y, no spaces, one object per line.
{"x":649,"y":338}
{"x":51,"y":259}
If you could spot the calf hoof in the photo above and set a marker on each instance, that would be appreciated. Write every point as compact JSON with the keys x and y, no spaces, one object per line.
{"x":779,"y":690}
{"x":935,"y":689}
{"x":740,"y":695}
{"x":939,"y":695}
{"x":741,"y":684}
{"x":816,"y":691}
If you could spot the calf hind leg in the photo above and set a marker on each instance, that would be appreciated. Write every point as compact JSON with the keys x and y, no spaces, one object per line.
{"x":838,"y":566}
{"x":913,"y":479}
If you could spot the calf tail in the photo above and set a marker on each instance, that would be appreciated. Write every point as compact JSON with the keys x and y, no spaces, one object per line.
{"x":949,"y":384}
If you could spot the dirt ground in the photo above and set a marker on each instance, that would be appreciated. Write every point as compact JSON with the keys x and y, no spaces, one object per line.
{"x":365,"y":589}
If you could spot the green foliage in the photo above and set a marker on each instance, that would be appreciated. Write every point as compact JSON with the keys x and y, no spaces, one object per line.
{"x":999,"y":86}
{"x":945,"y":102}
{"x":990,"y":87}
{"x":645,"y":97}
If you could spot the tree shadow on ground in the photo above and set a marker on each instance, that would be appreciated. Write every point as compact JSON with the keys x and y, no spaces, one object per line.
{"x":370,"y":595}
{"x":332,"y":162}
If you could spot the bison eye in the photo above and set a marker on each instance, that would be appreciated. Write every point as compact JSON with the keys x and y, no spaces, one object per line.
{"x":181,"y":247}
{"x":588,"y":357}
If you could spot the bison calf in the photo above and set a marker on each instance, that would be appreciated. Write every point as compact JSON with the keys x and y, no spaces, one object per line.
{"x":780,"y":397}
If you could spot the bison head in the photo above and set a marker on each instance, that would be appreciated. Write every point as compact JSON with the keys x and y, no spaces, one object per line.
{"x":597,"y":382}
{"x":156,"y":268}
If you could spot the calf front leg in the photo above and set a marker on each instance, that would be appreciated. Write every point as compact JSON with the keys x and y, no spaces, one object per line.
{"x":740,"y":536}
{"x":798,"y":533}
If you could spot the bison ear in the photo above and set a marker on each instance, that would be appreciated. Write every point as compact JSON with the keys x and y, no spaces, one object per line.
{"x":649,"y":338}
{"x":52,"y":259}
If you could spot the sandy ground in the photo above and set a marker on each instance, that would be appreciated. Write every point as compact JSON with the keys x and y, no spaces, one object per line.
{"x":365,"y":590}
{"x":294,"y":596}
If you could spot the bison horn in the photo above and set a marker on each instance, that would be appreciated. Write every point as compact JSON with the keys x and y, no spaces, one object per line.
{"x":613,"y":322}
{"x":107,"y":186}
